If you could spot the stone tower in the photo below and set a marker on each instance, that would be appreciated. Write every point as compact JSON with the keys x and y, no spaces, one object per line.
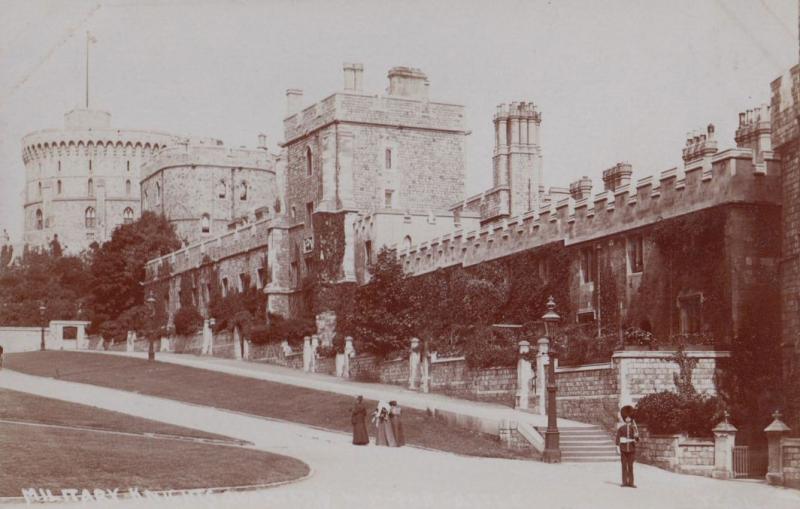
{"x":82,"y":181}
{"x":517,"y":161}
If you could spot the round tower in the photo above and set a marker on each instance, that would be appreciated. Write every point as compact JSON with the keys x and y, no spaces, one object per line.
{"x":82,"y":181}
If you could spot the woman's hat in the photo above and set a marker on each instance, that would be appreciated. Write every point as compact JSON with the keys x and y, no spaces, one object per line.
{"x":626,"y":411}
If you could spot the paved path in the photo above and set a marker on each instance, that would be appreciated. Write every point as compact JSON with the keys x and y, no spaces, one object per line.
{"x":404,"y":397}
{"x":349,"y":476}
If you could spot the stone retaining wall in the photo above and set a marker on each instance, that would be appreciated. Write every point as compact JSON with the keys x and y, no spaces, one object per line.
{"x":677,"y":453}
{"x":589,"y":394}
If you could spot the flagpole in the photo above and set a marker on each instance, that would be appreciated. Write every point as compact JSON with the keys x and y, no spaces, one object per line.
{"x":87,"y":69}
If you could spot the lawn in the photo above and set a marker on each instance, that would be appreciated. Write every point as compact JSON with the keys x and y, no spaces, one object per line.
{"x":258,"y":397}
{"x":56,"y":459}
{"x":20,"y":406}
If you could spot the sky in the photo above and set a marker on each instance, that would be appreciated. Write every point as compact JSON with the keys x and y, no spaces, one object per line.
{"x":615,"y":80}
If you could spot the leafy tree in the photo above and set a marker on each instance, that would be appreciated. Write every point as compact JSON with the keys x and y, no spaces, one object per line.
{"x":188,"y":320}
{"x":117,"y":267}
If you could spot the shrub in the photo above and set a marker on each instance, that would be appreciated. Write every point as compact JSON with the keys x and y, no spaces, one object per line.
{"x":486,"y":347}
{"x":669,"y":413}
{"x":188,"y":320}
{"x":259,"y":333}
{"x":327,"y":351}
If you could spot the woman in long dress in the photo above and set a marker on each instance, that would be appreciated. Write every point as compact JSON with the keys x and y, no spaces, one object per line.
{"x":358,"y":417}
{"x":384,"y":433}
{"x":397,"y":423}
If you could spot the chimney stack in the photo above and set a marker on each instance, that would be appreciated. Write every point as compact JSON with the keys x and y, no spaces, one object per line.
{"x":353,"y":77}
{"x":617,"y":176}
{"x":408,"y":82}
{"x":581,"y":188}
{"x":262,"y":141}
{"x":294,"y":99}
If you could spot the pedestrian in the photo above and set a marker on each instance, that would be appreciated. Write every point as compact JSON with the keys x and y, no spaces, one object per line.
{"x":384,"y":435}
{"x":397,"y":423}
{"x":627,"y":436}
{"x":358,"y":418}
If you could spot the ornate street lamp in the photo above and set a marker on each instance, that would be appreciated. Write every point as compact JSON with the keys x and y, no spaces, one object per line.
{"x":151,"y":303}
{"x":552,"y":451}
{"x":42,"y":309}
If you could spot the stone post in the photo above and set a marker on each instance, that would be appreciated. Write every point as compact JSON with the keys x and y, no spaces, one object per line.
{"x":129,"y":341}
{"x":541,"y":375}
{"x":724,"y":439}
{"x":206,"y":348}
{"x":775,"y":432}
{"x":524,"y":376}
{"x":314,"y":348}
{"x":349,"y":352}
{"x":413,"y":364}
{"x":307,"y":354}
{"x":425,"y":370}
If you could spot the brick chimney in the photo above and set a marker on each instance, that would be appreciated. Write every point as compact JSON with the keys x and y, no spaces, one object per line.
{"x":294,"y":99}
{"x":581,"y":188}
{"x":408,"y":82}
{"x":353,"y":77}
{"x":617,"y":176}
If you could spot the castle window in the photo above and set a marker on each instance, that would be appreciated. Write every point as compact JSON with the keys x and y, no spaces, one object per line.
{"x":128,"y":166}
{"x":90,"y":165}
{"x":635,"y":254}
{"x":388,"y":159}
{"x":407,"y":242}
{"x":59,"y":166}
{"x":90,"y":187}
{"x":58,"y":187}
{"x":309,"y":212}
{"x":691,"y":313}
{"x":40,"y":189}
{"x":39,"y":220}
{"x":387,"y":198}
{"x":127,"y":216}
{"x":224,"y":287}
{"x":89,"y":217}
{"x":588,"y":265}
{"x":158,"y":193}
{"x":262,"y":277}
{"x":243,"y":195}
{"x":294,"y":212}
{"x":309,"y":162}
{"x":205,"y":223}
{"x":128,"y":187}
{"x":244,"y":282}
{"x":222,"y":189}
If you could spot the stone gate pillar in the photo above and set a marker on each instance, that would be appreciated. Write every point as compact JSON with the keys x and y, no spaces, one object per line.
{"x":775,"y":432}
{"x":724,"y":440}
{"x":307,"y":354}
{"x":314,"y":348}
{"x":413,"y":364}
{"x":349,"y":353}
{"x":524,"y":376}
{"x":542,"y":359}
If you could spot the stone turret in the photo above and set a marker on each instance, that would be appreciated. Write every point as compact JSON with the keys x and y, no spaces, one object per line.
{"x":517,"y":161}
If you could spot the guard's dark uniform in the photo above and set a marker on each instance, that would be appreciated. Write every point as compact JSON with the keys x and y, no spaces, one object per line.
{"x":627,"y":436}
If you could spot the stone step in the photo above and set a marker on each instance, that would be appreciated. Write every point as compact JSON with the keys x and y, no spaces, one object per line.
{"x":588,"y":448}
{"x":593,"y":459}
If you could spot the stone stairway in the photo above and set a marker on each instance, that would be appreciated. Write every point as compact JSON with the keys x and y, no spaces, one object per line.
{"x":585,"y":444}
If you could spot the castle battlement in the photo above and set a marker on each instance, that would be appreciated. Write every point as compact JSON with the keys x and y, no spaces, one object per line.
{"x":734,"y":176}
{"x":406,"y":105}
{"x":186,"y":154}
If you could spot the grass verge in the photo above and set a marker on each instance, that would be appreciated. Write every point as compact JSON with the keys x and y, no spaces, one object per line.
{"x":258,"y":397}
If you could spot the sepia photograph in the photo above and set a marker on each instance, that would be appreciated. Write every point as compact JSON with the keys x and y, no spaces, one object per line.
{"x":400,"y":254}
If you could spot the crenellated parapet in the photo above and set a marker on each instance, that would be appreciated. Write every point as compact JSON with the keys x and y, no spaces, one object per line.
{"x":186,"y":153}
{"x":733,"y":177}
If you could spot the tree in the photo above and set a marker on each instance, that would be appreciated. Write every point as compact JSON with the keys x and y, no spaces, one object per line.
{"x":117,"y":267}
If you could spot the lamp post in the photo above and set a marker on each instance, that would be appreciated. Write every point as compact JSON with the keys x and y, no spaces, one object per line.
{"x":151,"y":303}
{"x":42,"y":309}
{"x":552,"y":451}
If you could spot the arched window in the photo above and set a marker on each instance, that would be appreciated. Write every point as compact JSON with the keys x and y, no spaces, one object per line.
{"x":388,"y":162}
{"x":158,"y":192}
{"x":40,"y":189}
{"x":128,"y":187}
{"x":222,"y":188}
{"x":90,"y":187}
{"x":205,"y":223}
{"x":309,"y":162}
{"x":58,"y":187}
{"x":407,"y":242}
{"x":127,"y":216}
{"x":39,"y":220}
{"x":243,"y":193}
{"x":89,"y":217}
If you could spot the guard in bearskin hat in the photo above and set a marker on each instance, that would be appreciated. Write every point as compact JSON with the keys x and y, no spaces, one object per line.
{"x":627,"y":436}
